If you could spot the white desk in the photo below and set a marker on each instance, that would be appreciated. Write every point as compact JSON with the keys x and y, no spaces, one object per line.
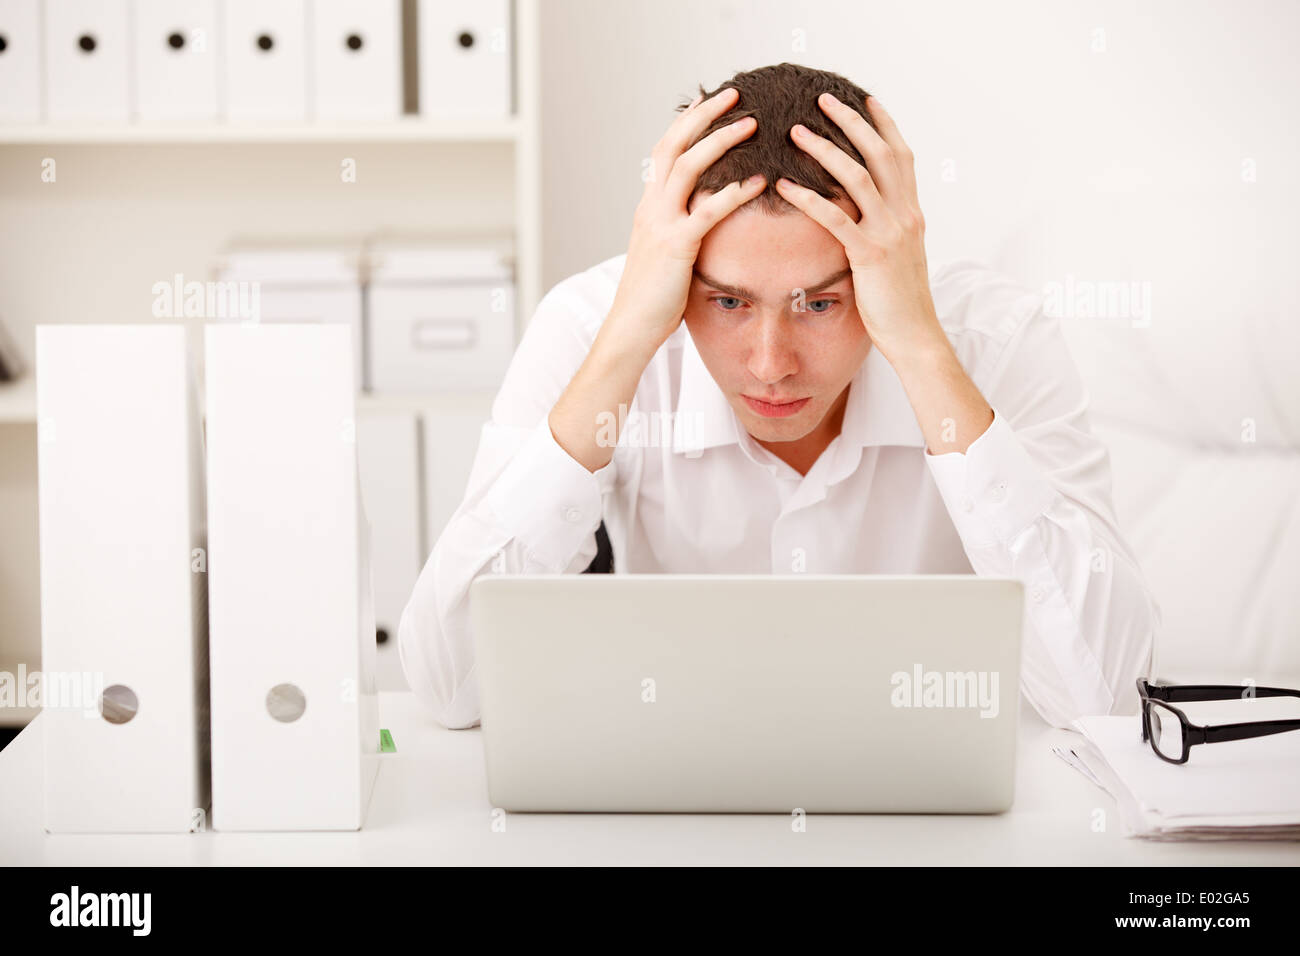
{"x":430,"y":806}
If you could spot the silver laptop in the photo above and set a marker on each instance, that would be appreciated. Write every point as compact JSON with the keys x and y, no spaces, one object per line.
{"x":748,"y":694}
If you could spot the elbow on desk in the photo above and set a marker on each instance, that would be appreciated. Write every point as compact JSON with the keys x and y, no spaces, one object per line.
{"x":454,"y":714}
{"x":454,"y":706}
{"x":1113,"y":694}
{"x":1123,"y":646}
{"x":1137,"y":652}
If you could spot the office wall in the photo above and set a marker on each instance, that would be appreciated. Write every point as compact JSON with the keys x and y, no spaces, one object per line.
{"x":1051,"y":138}
{"x":1012,"y":107}
{"x":1150,"y":145}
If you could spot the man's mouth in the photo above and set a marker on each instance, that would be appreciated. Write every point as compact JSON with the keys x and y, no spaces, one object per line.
{"x":777,"y":409}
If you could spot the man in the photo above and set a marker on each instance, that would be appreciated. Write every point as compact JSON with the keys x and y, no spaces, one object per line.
{"x":830,"y":406}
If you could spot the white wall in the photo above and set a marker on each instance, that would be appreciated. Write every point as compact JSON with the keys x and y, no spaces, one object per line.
{"x":1122,"y":164}
{"x":1009,"y":92}
{"x":1151,"y":143}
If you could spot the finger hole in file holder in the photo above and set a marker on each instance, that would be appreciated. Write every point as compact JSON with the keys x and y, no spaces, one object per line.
{"x":118,"y":704}
{"x":286,"y":703}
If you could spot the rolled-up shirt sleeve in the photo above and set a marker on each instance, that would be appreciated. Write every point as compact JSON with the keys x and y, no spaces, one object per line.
{"x":529,"y":508}
{"x":1031,"y":499}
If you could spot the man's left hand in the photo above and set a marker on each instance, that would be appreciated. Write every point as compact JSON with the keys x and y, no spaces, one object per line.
{"x":886,"y":246}
{"x":891,"y":282}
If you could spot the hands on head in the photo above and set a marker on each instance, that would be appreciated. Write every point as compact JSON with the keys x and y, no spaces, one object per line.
{"x":871,"y":234}
{"x":883,"y":243}
{"x":666,"y":235}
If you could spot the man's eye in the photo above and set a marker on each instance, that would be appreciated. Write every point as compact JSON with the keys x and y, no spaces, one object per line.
{"x":821,"y":305}
{"x":727,"y":302}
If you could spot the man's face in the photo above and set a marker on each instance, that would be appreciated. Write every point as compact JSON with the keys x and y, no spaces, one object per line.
{"x":761,"y":339}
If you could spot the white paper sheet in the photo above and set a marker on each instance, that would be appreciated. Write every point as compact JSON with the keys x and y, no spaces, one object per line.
{"x":1243,"y":789}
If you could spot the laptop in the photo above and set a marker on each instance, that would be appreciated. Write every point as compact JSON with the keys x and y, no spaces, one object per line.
{"x":703,"y":693}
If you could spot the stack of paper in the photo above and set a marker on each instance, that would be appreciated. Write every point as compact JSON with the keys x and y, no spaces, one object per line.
{"x":1236,"y":790}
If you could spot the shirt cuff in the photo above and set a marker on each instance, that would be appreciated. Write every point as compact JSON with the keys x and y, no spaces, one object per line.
{"x":548,"y":500}
{"x":993,"y":491}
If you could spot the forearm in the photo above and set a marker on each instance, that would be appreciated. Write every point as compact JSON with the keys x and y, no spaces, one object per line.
{"x":585,"y":419}
{"x":949,"y":407}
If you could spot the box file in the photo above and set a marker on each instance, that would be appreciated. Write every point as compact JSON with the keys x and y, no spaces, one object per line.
{"x":388,"y":453}
{"x":87,"y":60}
{"x":356,"y":55}
{"x":177,"y":51}
{"x":295,"y":726}
{"x":451,"y":441}
{"x":466,"y":57}
{"x":265,"y":64}
{"x":20,"y":61}
{"x":123,"y":581}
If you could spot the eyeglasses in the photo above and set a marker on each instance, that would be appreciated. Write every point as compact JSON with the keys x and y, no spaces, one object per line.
{"x":1172,"y":735}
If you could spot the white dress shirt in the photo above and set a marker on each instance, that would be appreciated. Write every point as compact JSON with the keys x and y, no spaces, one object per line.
{"x":688,"y":490}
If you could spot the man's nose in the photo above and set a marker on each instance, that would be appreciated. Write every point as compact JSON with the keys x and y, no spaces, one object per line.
{"x":771,"y":350}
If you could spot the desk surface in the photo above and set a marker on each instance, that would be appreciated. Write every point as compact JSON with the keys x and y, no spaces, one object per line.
{"x":430,"y":806}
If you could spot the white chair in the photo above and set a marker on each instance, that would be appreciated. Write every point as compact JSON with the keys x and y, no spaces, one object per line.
{"x":1200,"y":407}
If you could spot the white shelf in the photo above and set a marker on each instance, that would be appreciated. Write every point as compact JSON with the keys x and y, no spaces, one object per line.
{"x":18,"y":401}
{"x":411,"y":129}
{"x":448,"y":400}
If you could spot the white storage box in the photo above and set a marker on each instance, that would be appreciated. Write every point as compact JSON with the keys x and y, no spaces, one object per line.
{"x":356,"y":55}
{"x":265,"y":61}
{"x":303,"y":285}
{"x":87,"y":60}
{"x":123,"y":581}
{"x":439,"y":317}
{"x":177,"y":52}
{"x":465,"y":57}
{"x":20,"y":61}
{"x":295,"y":725}
{"x":451,"y":439}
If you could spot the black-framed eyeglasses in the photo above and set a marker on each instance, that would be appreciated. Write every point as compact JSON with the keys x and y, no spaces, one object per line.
{"x":1172,"y":735}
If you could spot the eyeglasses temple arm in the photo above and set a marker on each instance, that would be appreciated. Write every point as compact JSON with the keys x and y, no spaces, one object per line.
{"x":1260,"y":728}
{"x":1177,"y":693}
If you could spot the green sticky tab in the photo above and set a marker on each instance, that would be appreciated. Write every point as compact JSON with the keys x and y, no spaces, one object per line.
{"x":386,"y":745}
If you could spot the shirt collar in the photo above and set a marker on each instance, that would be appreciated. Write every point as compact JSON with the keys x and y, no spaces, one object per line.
{"x":877,"y":412}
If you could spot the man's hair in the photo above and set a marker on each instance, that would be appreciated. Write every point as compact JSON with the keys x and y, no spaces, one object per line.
{"x":778,"y":97}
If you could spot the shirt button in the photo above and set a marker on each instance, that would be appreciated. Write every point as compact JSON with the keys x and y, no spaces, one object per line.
{"x":967,"y":504}
{"x":1037,"y":594}
{"x":573,"y":514}
{"x":999,"y":491}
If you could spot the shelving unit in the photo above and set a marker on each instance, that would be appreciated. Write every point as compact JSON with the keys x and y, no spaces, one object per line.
{"x":410,"y":129}
{"x":18,"y":402}
{"x":520,"y":132}
{"x":124,"y":206}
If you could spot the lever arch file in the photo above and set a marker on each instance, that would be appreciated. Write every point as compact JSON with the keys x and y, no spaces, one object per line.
{"x":123,"y":580}
{"x":295,"y":725}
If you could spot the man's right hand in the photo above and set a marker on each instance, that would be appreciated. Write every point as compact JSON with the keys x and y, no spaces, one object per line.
{"x":666,"y":237}
{"x":656,"y":278}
